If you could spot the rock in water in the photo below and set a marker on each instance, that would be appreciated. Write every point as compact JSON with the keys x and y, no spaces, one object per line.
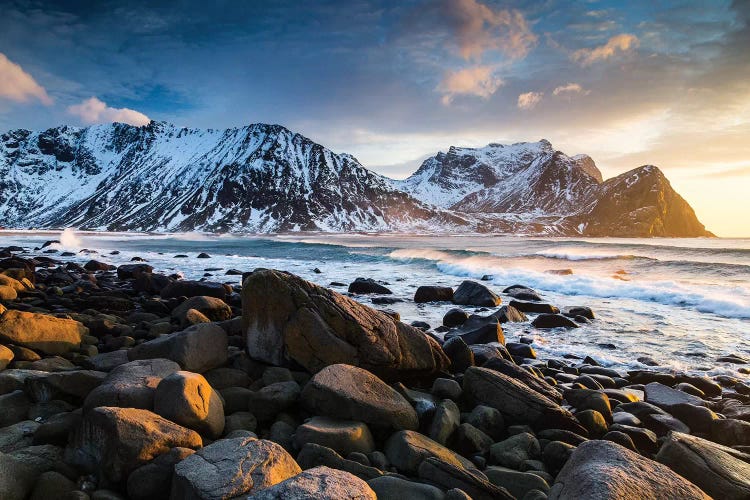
{"x":433,"y":294}
{"x":114,"y":441}
{"x":720,"y":471}
{"x":41,"y":332}
{"x":229,"y":468}
{"x":602,"y":469}
{"x":321,"y":483}
{"x":287,"y":318}
{"x":471,"y":293}
{"x":516,"y":401}
{"x":351,"y":393}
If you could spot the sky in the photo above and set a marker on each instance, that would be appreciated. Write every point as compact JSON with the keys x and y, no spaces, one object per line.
{"x":393,"y":82}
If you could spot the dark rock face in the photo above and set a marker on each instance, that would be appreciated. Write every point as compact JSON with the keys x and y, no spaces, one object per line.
{"x":471,"y":293}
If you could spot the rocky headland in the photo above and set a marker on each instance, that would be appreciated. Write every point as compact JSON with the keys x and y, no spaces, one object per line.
{"x":123,"y":382}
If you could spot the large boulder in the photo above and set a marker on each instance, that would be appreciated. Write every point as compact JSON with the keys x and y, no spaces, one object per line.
{"x":720,"y":471}
{"x":471,"y":293}
{"x":478,"y":330}
{"x":131,"y":385}
{"x":321,"y":483}
{"x":516,"y":401}
{"x":433,"y":294}
{"x":196,"y":349}
{"x":367,"y":285}
{"x":351,"y":393}
{"x":115,"y":441}
{"x":229,"y":468}
{"x":287,"y":318}
{"x":41,"y":332}
{"x":665,"y":397}
{"x":602,"y":469}
{"x":187,"y":399}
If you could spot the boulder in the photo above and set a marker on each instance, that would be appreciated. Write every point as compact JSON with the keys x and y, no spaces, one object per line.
{"x":509,"y":314}
{"x":351,"y":393}
{"x":41,"y":332}
{"x":115,"y":441}
{"x":6,"y":356}
{"x":76,"y":384}
{"x":433,"y":294}
{"x":720,"y":471}
{"x":190,"y":288}
{"x":153,"y":481}
{"x":455,"y":317}
{"x":516,"y":401}
{"x":7,"y":293}
{"x":17,"y":479}
{"x":321,"y":483}
{"x":515,"y":450}
{"x":478,"y":330}
{"x":517,"y":483}
{"x":368,"y":285}
{"x":526,"y":376}
{"x":533,"y":307}
{"x":229,"y":468}
{"x":342,"y":436}
{"x":187,"y":399}
{"x":665,"y":397}
{"x":407,"y":449}
{"x":196,"y":349}
{"x":553,"y":321}
{"x":212,"y":308}
{"x":287,"y":318}
{"x":450,"y":476}
{"x":312,"y":455}
{"x":396,"y":488}
{"x":445,"y":421}
{"x":273,"y":399}
{"x":131,"y":385}
{"x":130,"y":271}
{"x":471,"y":293}
{"x":602,"y":469}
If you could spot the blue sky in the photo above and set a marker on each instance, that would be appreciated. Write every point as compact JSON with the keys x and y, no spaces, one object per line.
{"x":629,"y":83}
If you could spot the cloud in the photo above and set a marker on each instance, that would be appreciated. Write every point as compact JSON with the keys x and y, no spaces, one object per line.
{"x":569,"y":89}
{"x":529,"y":100}
{"x":93,"y":110}
{"x":478,"y":81}
{"x":618,"y":43}
{"x":479,"y":28}
{"x":17,"y":85}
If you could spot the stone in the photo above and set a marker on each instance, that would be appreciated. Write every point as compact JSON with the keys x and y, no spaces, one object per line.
{"x":212,"y":308}
{"x":574,"y":311}
{"x":594,"y":422}
{"x":620,"y":438}
{"x":15,"y":406}
{"x":450,"y":476}
{"x":321,"y":483}
{"x":488,"y":420}
{"x":198,"y":348}
{"x":6,"y":356}
{"x":602,"y":469}
{"x":187,"y":399}
{"x":446,"y":388}
{"x":515,"y":450}
{"x":528,"y":378}
{"x":665,"y":397}
{"x":153,"y":481}
{"x":460,"y":355}
{"x":516,"y":401}
{"x":455,"y":317}
{"x":115,"y":441}
{"x":720,"y":471}
{"x":396,"y":488}
{"x":57,"y":428}
{"x":533,"y":307}
{"x":697,"y":418}
{"x":470,"y":441}
{"x":287,"y":318}
{"x":230,"y":468}
{"x":130,"y":271}
{"x":351,"y":393}
{"x":43,"y":333}
{"x":131,"y":385}
{"x":471,"y":293}
{"x":407,"y":449}
{"x":509,"y":314}
{"x":190,"y":288}
{"x":76,"y":384}
{"x":312,"y":455}
{"x":517,"y":483}
{"x":221,"y":378}
{"x":731,"y":432}
{"x":7,"y":293}
{"x":17,"y":479}
{"x":18,"y":435}
{"x":240,"y":420}
{"x":553,"y":321}
{"x":342,"y":436}
{"x":445,"y":421}
{"x":51,"y":484}
{"x":587,"y":399}
{"x":433,"y":294}
{"x":273,"y":399}
{"x":478,"y":330}
{"x":366,"y":286}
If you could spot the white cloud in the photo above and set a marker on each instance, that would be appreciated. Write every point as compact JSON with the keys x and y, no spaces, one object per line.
{"x":529,"y":100}
{"x":480,"y":28}
{"x":478,"y":80}
{"x":618,"y":43}
{"x":93,"y":110}
{"x":569,"y":89}
{"x":17,"y":85}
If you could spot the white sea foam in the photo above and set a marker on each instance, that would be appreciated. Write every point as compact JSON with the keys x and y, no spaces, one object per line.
{"x":69,"y":239}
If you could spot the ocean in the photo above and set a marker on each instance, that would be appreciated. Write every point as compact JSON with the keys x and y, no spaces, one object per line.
{"x":681,"y":302}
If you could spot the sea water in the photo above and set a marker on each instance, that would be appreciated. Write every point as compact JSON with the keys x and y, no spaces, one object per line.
{"x":682,"y":302}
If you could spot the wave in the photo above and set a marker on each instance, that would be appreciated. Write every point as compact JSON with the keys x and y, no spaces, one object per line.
{"x":576,"y":256}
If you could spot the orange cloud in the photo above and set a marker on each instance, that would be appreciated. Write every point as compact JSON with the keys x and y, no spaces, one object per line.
{"x":480,"y":28}
{"x":618,"y":43}
{"x":529,"y":100}
{"x":570,"y":88}
{"x":17,"y":85}
{"x":479,"y":81}
{"x":93,"y":110}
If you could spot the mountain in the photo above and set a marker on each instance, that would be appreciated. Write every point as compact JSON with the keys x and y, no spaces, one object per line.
{"x":265,"y":178}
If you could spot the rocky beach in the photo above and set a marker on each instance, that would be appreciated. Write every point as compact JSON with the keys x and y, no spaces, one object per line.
{"x":127,"y":382}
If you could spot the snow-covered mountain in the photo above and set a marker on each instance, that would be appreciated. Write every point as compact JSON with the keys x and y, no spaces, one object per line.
{"x":265,"y":178}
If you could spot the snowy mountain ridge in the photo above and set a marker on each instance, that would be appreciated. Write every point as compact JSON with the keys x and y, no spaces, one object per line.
{"x":266,"y":178}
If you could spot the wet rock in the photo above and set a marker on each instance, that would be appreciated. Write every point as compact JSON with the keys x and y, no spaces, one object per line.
{"x":574,"y":311}
{"x":187,"y":399}
{"x":455,"y":317}
{"x":115,"y":441}
{"x":198,"y":348}
{"x":43,"y":333}
{"x":446,"y":388}
{"x":366,"y":286}
{"x":533,"y":307}
{"x":509,"y":314}
{"x":602,"y":469}
{"x":478,"y":330}
{"x":286,"y":317}
{"x":470,"y":441}
{"x":433,"y":294}
{"x":321,"y":483}
{"x":471,"y":293}
{"x":229,"y":468}
{"x":351,"y":393}
{"x":521,"y":292}
{"x":553,"y":321}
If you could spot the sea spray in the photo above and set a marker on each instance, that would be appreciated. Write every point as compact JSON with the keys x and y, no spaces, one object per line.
{"x":69,"y":239}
